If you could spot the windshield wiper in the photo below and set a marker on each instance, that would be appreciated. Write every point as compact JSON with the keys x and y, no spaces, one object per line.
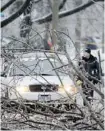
{"x":44,"y":74}
{"x":19,"y":75}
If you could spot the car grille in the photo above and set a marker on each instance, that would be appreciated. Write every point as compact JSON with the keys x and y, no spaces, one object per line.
{"x":42,"y":88}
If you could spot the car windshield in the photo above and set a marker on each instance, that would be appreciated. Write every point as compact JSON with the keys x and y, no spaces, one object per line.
{"x":35,"y":67}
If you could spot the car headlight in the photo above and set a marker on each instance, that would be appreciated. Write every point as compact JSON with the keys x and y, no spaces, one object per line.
{"x":69,"y":88}
{"x":22,"y":89}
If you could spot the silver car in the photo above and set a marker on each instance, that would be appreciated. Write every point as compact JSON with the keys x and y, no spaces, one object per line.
{"x":38,"y":79}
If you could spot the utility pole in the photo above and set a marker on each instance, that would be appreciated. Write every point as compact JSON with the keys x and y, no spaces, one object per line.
{"x":55,"y":10}
{"x":78,"y":26}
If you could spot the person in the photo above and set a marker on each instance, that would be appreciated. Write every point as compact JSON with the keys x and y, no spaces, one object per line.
{"x":90,"y":66}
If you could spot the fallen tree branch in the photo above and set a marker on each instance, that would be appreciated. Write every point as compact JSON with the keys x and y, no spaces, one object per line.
{"x":85,"y":79}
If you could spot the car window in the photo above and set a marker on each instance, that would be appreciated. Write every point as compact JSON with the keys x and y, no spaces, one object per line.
{"x":33,"y":67}
{"x":92,"y":46}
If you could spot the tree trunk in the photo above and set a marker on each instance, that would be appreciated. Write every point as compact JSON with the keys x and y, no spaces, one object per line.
{"x":103,"y":42}
{"x":55,"y":10}
{"x":78,"y":26}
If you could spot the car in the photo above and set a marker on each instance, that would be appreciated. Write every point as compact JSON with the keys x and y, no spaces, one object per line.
{"x":35,"y":79}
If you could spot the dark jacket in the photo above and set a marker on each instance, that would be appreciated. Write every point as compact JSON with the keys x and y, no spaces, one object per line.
{"x":91,"y":66}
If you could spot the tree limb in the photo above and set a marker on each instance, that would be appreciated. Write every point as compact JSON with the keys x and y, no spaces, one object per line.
{"x":66,"y":13}
{"x":7,"y":5}
{"x":15,"y":15}
{"x":62,"y":4}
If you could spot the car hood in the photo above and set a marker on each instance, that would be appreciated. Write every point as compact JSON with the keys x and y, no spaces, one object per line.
{"x":31,"y":80}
